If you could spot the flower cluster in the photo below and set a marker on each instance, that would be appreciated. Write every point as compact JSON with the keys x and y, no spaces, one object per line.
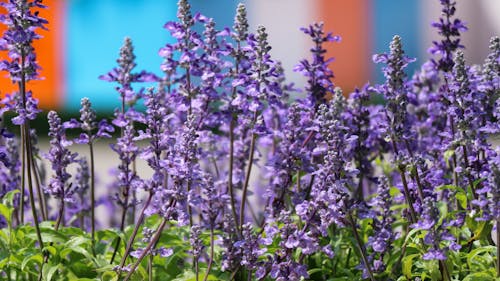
{"x":247,"y":183}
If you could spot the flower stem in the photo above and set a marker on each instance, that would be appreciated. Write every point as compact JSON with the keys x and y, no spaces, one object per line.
{"x":498,"y":247}
{"x":230,"y":174}
{"x":212,"y":246}
{"x":41,"y":196}
{"x":361,"y":247}
{"x":23,"y":174}
{"x":469,"y":175}
{"x":150,"y":268}
{"x":189,"y":209}
{"x":247,"y":177}
{"x":92,"y":196}
{"x":407,"y":194}
{"x":126,"y":191}
{"x":136,"y":229}
{"x":148,"y":248}
{"x":29,"y":153}
{"x":61,"y":214}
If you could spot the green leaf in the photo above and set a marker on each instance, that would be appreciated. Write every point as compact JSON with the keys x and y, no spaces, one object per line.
{"x":49,"y":270}
{"x":8,"y":198}
{"x":476,"y":252}
{"x":186,"y":275}
{"x":448,"y":154}
{"x":77,"y":241}
{"x":408,"y":264}
{"x":109,"y":275}
{"x":36,"y":258}
{"x":48,"y":235}
{"x":191,"y":276}
{"x":6,"y":212}
{"x":314,"y":270}
{"x":462,"y":199}
{"x":393,"y":191}
{"x":51,"y":249}
{"x":479,"y":276}
{"x":481,"y":231}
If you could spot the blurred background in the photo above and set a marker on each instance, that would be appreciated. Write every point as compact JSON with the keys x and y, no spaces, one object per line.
{"x":85,"y":36}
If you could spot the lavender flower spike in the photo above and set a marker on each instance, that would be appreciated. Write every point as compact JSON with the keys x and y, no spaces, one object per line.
{"x":60,"y":158}
{"x":319,"y":76}
{"x":450,"y":30}
{"x":124,"y":76}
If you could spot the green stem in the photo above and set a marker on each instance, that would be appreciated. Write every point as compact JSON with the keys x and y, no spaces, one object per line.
{"x":196,"y":267}
{"x":212,"y":246}
{"x":150,"y":268}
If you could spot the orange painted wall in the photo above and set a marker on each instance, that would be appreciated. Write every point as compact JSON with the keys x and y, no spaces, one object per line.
{"x":351,"y":20}
{"x":50,"y":57}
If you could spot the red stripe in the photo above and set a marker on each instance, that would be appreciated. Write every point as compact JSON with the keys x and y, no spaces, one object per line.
{"x":349,"y":19}
{"x":49,"y":55}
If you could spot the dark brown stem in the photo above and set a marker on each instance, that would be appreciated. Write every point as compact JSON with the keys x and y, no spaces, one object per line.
{"x":41,"y":199}
{"x":31,"y":192}
{"x":230,"y":173}
{"x":407,"y":194}
{"x":189,"y":209}
{"x":469,"y":176}
{"x":361,"y":247}
{"x":498,"y":247}
{"x":60,"y":217}
{"x":247,"y":178}
{"x":92,"y":197}
{"x":134,"y":195}
{"x":420,"y":189}
{"x":29,"y":154}
{"x":148,"y":248}
{"x":23,"y":174}
{"x":126,"y":196}
{"x":136,"y":229}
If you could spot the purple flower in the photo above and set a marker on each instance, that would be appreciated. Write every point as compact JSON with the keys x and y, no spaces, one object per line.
{"x":196,"y":241}
{"x":80,"y":207}
{"x":60,"y":158}
{"x":250,"y":247}
{"x":240,"y":24}
{"x":395,"y":91}
{"x":89,"y":125}
{"x":127,"y":180}
{"x":10,"y":166}
{"x":382,"y":224}
{"x":319,"y":76}
{"x":449,"y":29}
{"x":22,"y":23}
{"x":26,"y":110}
{"x":124,"y":76}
